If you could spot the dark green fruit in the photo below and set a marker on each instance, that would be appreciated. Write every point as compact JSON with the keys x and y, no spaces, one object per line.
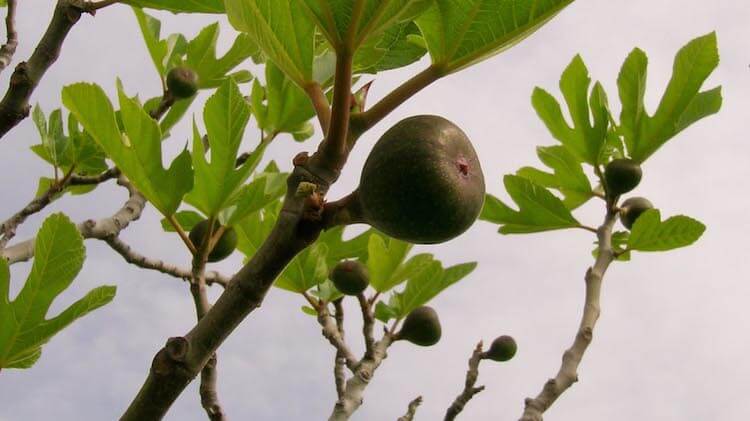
{"x":421,"y":327}
{"x":422,"y":182}
{"x":632,"y":208}
{"x":622,"y":175}
{"x":223,"y":248}
{"x":350,"y":277}
{"x":503,"y":348}
{"x":182,"y":82}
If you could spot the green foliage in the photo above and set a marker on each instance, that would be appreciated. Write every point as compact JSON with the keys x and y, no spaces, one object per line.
{"x":650,"y":233}
{"x":281,"y":106}
{"x":538,"y":209}
{"x":165,"y":53}
{"x":137,"y":151}
{"x":399,"y":46}
{"x":187,"y":220}
{"x":24,"y":326}
{"x":181,"y":6}
{"x":567,"y":177}
{"x":460,"y":33}
{"x":201,"y":57}
{"x":683,"y":102}
{"x":385,"y":257}
{"x":308,"y":269}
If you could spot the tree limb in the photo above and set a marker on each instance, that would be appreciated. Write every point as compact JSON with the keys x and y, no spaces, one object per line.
{"x":339,"y":376}
{"x":368,"y":323}
{"x":568,"y":373}
{"x":411,"y":410}
{"x":9,"y":48}
{"x":331,"y":332}
{"x":469,"y":389}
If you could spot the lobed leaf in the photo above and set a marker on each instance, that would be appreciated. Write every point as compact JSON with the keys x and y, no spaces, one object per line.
{"x":649,"y":233}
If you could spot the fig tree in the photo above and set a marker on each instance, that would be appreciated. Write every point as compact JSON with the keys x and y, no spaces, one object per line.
{"x":182,"y":82}
{"x":421,"y":327}
{"x":422,"y":182}
{"x":503,"y":348}
{"x":223,"y":247}
{"x":632,"y":208}
{"x":350,"y":277}
{"x":621,"y":176}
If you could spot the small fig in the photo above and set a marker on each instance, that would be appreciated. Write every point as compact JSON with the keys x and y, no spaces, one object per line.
{"x":632,"y":208}
{"x":621,"y":176}
{"x":503,"y":348}
{"x":422,"y":181}
{"x":421,"y":327}
{"x":182,"y":82}
{"x":222,"y":249}
{"x":350,"y":277}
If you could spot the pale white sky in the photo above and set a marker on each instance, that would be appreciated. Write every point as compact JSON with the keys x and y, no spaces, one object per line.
{"x":672,"y":342}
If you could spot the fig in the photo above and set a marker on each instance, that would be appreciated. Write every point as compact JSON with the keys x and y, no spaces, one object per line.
{"x":350,"y":277}
{"x":632,"y":208}
{"x":182,"y":82}
{"x":503,"y":348}
{"x":421,"y":327}
{"x":422,"y":181}
{"x":223,"y":248}
{"x":621,"y":176}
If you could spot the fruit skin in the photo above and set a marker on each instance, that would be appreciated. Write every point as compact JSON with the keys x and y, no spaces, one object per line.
{"x":503,"y":348}
{"x":422,"y":181}
{"x":421,"y":327}
{"x":350,"y":277}
{"x":621,"y":176}
{"x":223,"y":248}
{"x":182,"y":82}
{"x":632,"y":208}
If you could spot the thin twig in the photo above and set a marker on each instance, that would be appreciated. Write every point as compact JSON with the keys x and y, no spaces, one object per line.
{"x":368,"y":323}
{"x":9,"y":48}
{"x":166,"y":102}
{"x":469,"y":389}
{"x":331,"y":332}
{"x":411,"y":411}
{"x":320,"y":104}
{"x":339,"y":375}
{"x":87,"y":180}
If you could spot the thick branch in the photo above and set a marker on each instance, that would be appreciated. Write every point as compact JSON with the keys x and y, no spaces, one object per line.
{"x":411,"y":411}
{"x":101,"y":229}
{"x":9,"y":48}
{"x":469,"y":389}
{"x":568,"y":373}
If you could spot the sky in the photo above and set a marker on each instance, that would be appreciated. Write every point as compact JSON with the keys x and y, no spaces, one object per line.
{"x":671,"y":343}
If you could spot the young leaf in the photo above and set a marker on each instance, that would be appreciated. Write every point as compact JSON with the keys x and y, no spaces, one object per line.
{"x":460,"y":33}
{"x":24,"y":326}
{"x":305,"y":271}
{"x":340,"y":249}
{"x":253,"y":230}
{"x":286,"y":106}
{"x":281,"y":29}
{"x":428,"y":283}
{"x":539,"y":210}
{"x":137,"y":152}
{"x":682,"y":104}
{"x":649,"y":233}
{"x":255,"y":196}
{"x":225,"y":115}
{"x":181,"y":6}
{"x":384,"y":257}
{"x":584,"y":140}
{"x":568,"y":176}
{"x":201,"y":57}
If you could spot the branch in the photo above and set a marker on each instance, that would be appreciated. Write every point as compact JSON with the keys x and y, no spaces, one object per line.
{"x":331,"y":332}
{"x":9,"y":48}
{"x":412,"y":409}
{"x":101,"y":229}
{"x":469,"y":389}
{"x":167,"y":100}
{"x":14,"y":106}
{"x":320,"y":103}
{"x":84,"y":180}
{"x":368,"y":322}
{"x":340,"y":361}
{"x":568,"y":373}
{"x":144,"y":262}
{"x":333,"y":150}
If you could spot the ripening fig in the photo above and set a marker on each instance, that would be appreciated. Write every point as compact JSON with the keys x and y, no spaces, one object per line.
{"x":503,"y":348}
{"x":621,"y":176}
{"x":350,"y":277}
{"x":222,"y":249}
{"x":421,"y":327}
{"x":182,"y":82}
{"x":422,"y":181}
{"x":632,"y":208}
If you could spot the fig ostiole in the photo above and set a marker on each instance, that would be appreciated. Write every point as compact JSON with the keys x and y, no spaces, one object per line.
{"x":421,"y":327}
{"x":633,"y":208}
{"x":503,"y":348}
{"x":422,"y":181}
{"x":224,"y":246}
{"x":350,"y":277}
{"x":621,"y":176}
{"x":182,"y":82}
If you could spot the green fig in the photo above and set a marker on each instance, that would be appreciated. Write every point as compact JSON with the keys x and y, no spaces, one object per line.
{"x":182,"y":82}
{"x":422,"y":181}
{"x":421,"y":327}
{"x":350,"y":277}
{"x":223,"y":248}
{"x":503,"y":348}
{"x":621,"y":176}
{"x":632,"y":208}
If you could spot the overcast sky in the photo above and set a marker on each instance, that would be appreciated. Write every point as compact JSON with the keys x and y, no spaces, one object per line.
{"x":672,"y":342}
